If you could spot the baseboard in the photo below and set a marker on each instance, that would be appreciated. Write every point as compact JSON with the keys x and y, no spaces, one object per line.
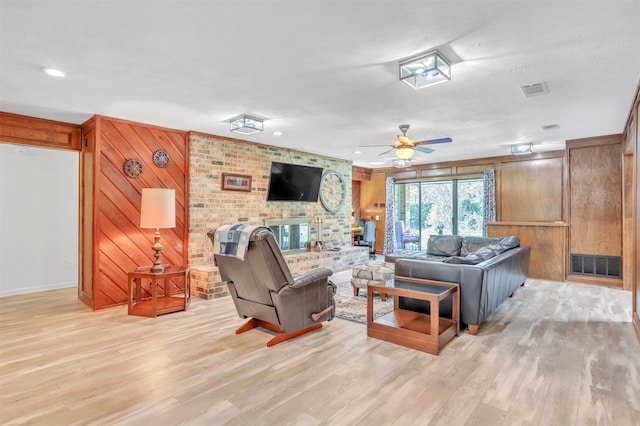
{"x":35,"y":289}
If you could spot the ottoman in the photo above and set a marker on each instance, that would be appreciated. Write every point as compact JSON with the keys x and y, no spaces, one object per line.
{"x":363,"y":275}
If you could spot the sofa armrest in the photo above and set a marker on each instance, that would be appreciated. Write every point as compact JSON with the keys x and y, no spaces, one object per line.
{"x":311,"y":277}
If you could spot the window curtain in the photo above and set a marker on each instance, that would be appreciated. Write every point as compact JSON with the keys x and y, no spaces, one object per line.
{"x":389,"y":228}
{"x":489,"y":181}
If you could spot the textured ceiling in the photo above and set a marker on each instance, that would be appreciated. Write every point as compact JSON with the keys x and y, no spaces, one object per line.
{"x":325,"y":72}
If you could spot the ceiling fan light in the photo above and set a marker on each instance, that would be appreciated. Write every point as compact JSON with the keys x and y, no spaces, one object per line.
{"x":404,"y":153}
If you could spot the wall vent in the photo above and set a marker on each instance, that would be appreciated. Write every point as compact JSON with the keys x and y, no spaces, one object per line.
{"x":535,"y":89}
{"x":599,"y":266}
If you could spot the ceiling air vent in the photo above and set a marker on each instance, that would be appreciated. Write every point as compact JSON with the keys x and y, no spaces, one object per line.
{"x":535,"y":89}
{"x":550,"y":127}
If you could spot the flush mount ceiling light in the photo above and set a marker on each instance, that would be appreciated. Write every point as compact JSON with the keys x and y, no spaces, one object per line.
{"x":399,"y":163}
{"x":53,"y":72}
{"x":425,"y":70}
{"x":246,"y":124}
{"x":521,"y":149}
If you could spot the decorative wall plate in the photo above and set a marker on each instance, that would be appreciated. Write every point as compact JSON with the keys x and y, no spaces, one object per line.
{"x":161,"y":158}
{"x":133,"y":168}
{"x":333,"y":191}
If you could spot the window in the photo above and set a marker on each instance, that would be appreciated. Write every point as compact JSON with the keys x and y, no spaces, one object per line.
{"x":439,"y":207}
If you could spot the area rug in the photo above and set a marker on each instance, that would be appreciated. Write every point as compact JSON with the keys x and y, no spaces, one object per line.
{"x":354,"y":308}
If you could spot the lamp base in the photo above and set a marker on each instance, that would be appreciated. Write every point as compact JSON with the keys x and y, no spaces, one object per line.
{"x":157,"y":267}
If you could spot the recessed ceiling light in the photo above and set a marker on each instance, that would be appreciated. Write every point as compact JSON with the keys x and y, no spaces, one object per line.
{"x":277,"y":133}
{"x":53,"y":72}
{"x":357,"y":152}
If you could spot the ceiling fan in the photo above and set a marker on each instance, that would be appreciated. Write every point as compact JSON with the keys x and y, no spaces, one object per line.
{"x":404,"y":146}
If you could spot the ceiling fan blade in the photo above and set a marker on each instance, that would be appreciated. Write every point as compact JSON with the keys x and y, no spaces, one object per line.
{"x":432,"y":141}
{"x":424,"y":149}
{"x":367,"y":146}
{"x":387,"y":151}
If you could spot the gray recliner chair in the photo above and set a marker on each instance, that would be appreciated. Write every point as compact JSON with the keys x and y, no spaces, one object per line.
{"x":263,"y":289}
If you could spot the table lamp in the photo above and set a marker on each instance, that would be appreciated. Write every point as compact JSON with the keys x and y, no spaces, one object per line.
{"x":158,"y":210}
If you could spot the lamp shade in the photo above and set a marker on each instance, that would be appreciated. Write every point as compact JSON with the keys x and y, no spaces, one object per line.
{"x":158,"y":208}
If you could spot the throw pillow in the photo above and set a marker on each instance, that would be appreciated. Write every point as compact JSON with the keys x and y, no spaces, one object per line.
{"x":510,"y":242}
{"x":444,"y":245}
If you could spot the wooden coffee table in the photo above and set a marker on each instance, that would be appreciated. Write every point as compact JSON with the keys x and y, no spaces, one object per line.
{"x":428,"y":333}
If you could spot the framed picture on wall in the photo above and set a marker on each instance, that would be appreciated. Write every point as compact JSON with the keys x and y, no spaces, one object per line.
{"x":233,"y":182}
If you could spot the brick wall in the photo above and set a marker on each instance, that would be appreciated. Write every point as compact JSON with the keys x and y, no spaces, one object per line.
{"x":210,"y":206}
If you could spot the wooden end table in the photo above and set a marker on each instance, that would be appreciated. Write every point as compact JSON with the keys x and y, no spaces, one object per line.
{"x":427,"y":333}
{"x":152,"y":294}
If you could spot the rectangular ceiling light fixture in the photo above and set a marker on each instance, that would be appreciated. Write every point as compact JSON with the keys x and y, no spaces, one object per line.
{"x":521,"y":149}
{"x":246,"y":124}
{"x":425,"y":70}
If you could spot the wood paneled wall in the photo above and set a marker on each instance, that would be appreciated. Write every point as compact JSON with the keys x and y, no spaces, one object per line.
{"x":356,"y":187}
{"x":534,"y":199}
{"x":631,"y":205}
{"x":548,"y":243}
{"x":595,"y":166}
{"x":531,"y":190}
{"x":113,"y":242}
{"x":372,"y":203}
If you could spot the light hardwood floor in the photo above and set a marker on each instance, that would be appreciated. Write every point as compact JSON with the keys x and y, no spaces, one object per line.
{"x":556,"y":353}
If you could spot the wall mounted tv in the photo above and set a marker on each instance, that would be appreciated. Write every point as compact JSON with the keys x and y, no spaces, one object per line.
{"x":294,"y":182}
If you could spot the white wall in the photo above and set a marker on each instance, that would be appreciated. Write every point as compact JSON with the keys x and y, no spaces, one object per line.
{"x":38,"y":219}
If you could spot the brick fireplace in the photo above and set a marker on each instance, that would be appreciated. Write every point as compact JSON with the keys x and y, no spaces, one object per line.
{"x":210,"y":206}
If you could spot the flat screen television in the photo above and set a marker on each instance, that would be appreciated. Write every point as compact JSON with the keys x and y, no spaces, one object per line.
{"x":294,"y":182}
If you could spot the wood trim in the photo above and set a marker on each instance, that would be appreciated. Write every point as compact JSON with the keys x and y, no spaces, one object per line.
{"x":594,"y":141}
{"x":23,"y":130}
{"x":631,"y":122}
{"x":360,"y":173}
{"x":464,"y":167}
{"x":613,"y":282}
{"x":527,"y":224}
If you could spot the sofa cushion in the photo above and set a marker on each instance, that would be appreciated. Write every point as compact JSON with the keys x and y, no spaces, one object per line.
{"x":486,"y":253}
{"x":471,"y":244}
{"x":461,"y":260}
{"x":444,"y":245}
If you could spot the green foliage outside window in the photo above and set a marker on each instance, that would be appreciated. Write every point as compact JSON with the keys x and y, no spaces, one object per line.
{"x":443,"y":207}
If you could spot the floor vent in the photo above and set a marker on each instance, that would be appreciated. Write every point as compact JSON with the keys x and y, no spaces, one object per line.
{"x":599,"y":266}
